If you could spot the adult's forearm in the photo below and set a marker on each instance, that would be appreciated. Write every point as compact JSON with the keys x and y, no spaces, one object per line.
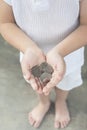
{"x":16,"y":37}
{"x":74,"y":41}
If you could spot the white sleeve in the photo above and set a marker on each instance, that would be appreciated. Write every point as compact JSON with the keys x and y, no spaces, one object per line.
{"x":8,"y":1}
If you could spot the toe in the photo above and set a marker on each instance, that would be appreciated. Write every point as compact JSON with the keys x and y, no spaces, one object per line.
{"x":62,"y":125}
{"x":37,"y":124}
{"x":57,"y":125}
{"x":31,"y":120}
{"x":68,"y":120}
{"x":65,"y":123}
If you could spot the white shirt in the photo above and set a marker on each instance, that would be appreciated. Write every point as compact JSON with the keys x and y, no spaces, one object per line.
{"x":48,"y":22}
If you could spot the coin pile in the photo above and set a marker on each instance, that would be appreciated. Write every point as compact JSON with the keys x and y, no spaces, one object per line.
{"x":43,"y":72}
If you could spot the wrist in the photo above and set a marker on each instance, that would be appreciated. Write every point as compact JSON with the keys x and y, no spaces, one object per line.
{"x":34,"y":49}
{"x":28,"y":47}
{"x":59,"y":51}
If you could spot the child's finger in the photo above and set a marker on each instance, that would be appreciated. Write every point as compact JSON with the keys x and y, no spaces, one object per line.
{"x":33,"y":83}
{"x":39,"y":90}
{"x":26,"y":70}
{"x":53,"y":82}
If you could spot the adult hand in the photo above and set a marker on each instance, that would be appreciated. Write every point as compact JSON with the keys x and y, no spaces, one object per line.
{"x":32,"y":57}
{"x":57,"y":62}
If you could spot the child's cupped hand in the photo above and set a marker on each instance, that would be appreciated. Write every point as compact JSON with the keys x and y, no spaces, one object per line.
{"x":32,"y":57}
{"x":57,"y":62}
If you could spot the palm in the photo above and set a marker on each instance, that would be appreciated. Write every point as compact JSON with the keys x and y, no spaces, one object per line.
{"x":58,"y":64}
{"x":30,"y":59}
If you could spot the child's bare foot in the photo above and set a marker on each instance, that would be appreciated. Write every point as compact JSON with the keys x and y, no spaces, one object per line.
{"x":37,"y":114}
{"x":62,"y":117}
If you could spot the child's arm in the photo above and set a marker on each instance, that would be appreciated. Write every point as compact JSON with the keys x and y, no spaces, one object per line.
{"x":16,"y":37}
{"x":11,"y":32}
{"x":77,"y":38}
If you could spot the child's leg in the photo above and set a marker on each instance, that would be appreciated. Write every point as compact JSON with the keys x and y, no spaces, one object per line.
{"x":70,"y":81}
{"x":62,"y":117}
{"x":37,"y":114}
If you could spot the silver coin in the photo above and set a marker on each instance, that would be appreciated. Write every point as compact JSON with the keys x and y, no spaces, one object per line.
{"x":45,"y":78}
{"x":36,"y":71}
{"x":45,"y":67}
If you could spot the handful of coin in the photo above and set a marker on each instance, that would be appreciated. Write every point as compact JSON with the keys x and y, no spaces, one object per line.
{"x":43,"y":72}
